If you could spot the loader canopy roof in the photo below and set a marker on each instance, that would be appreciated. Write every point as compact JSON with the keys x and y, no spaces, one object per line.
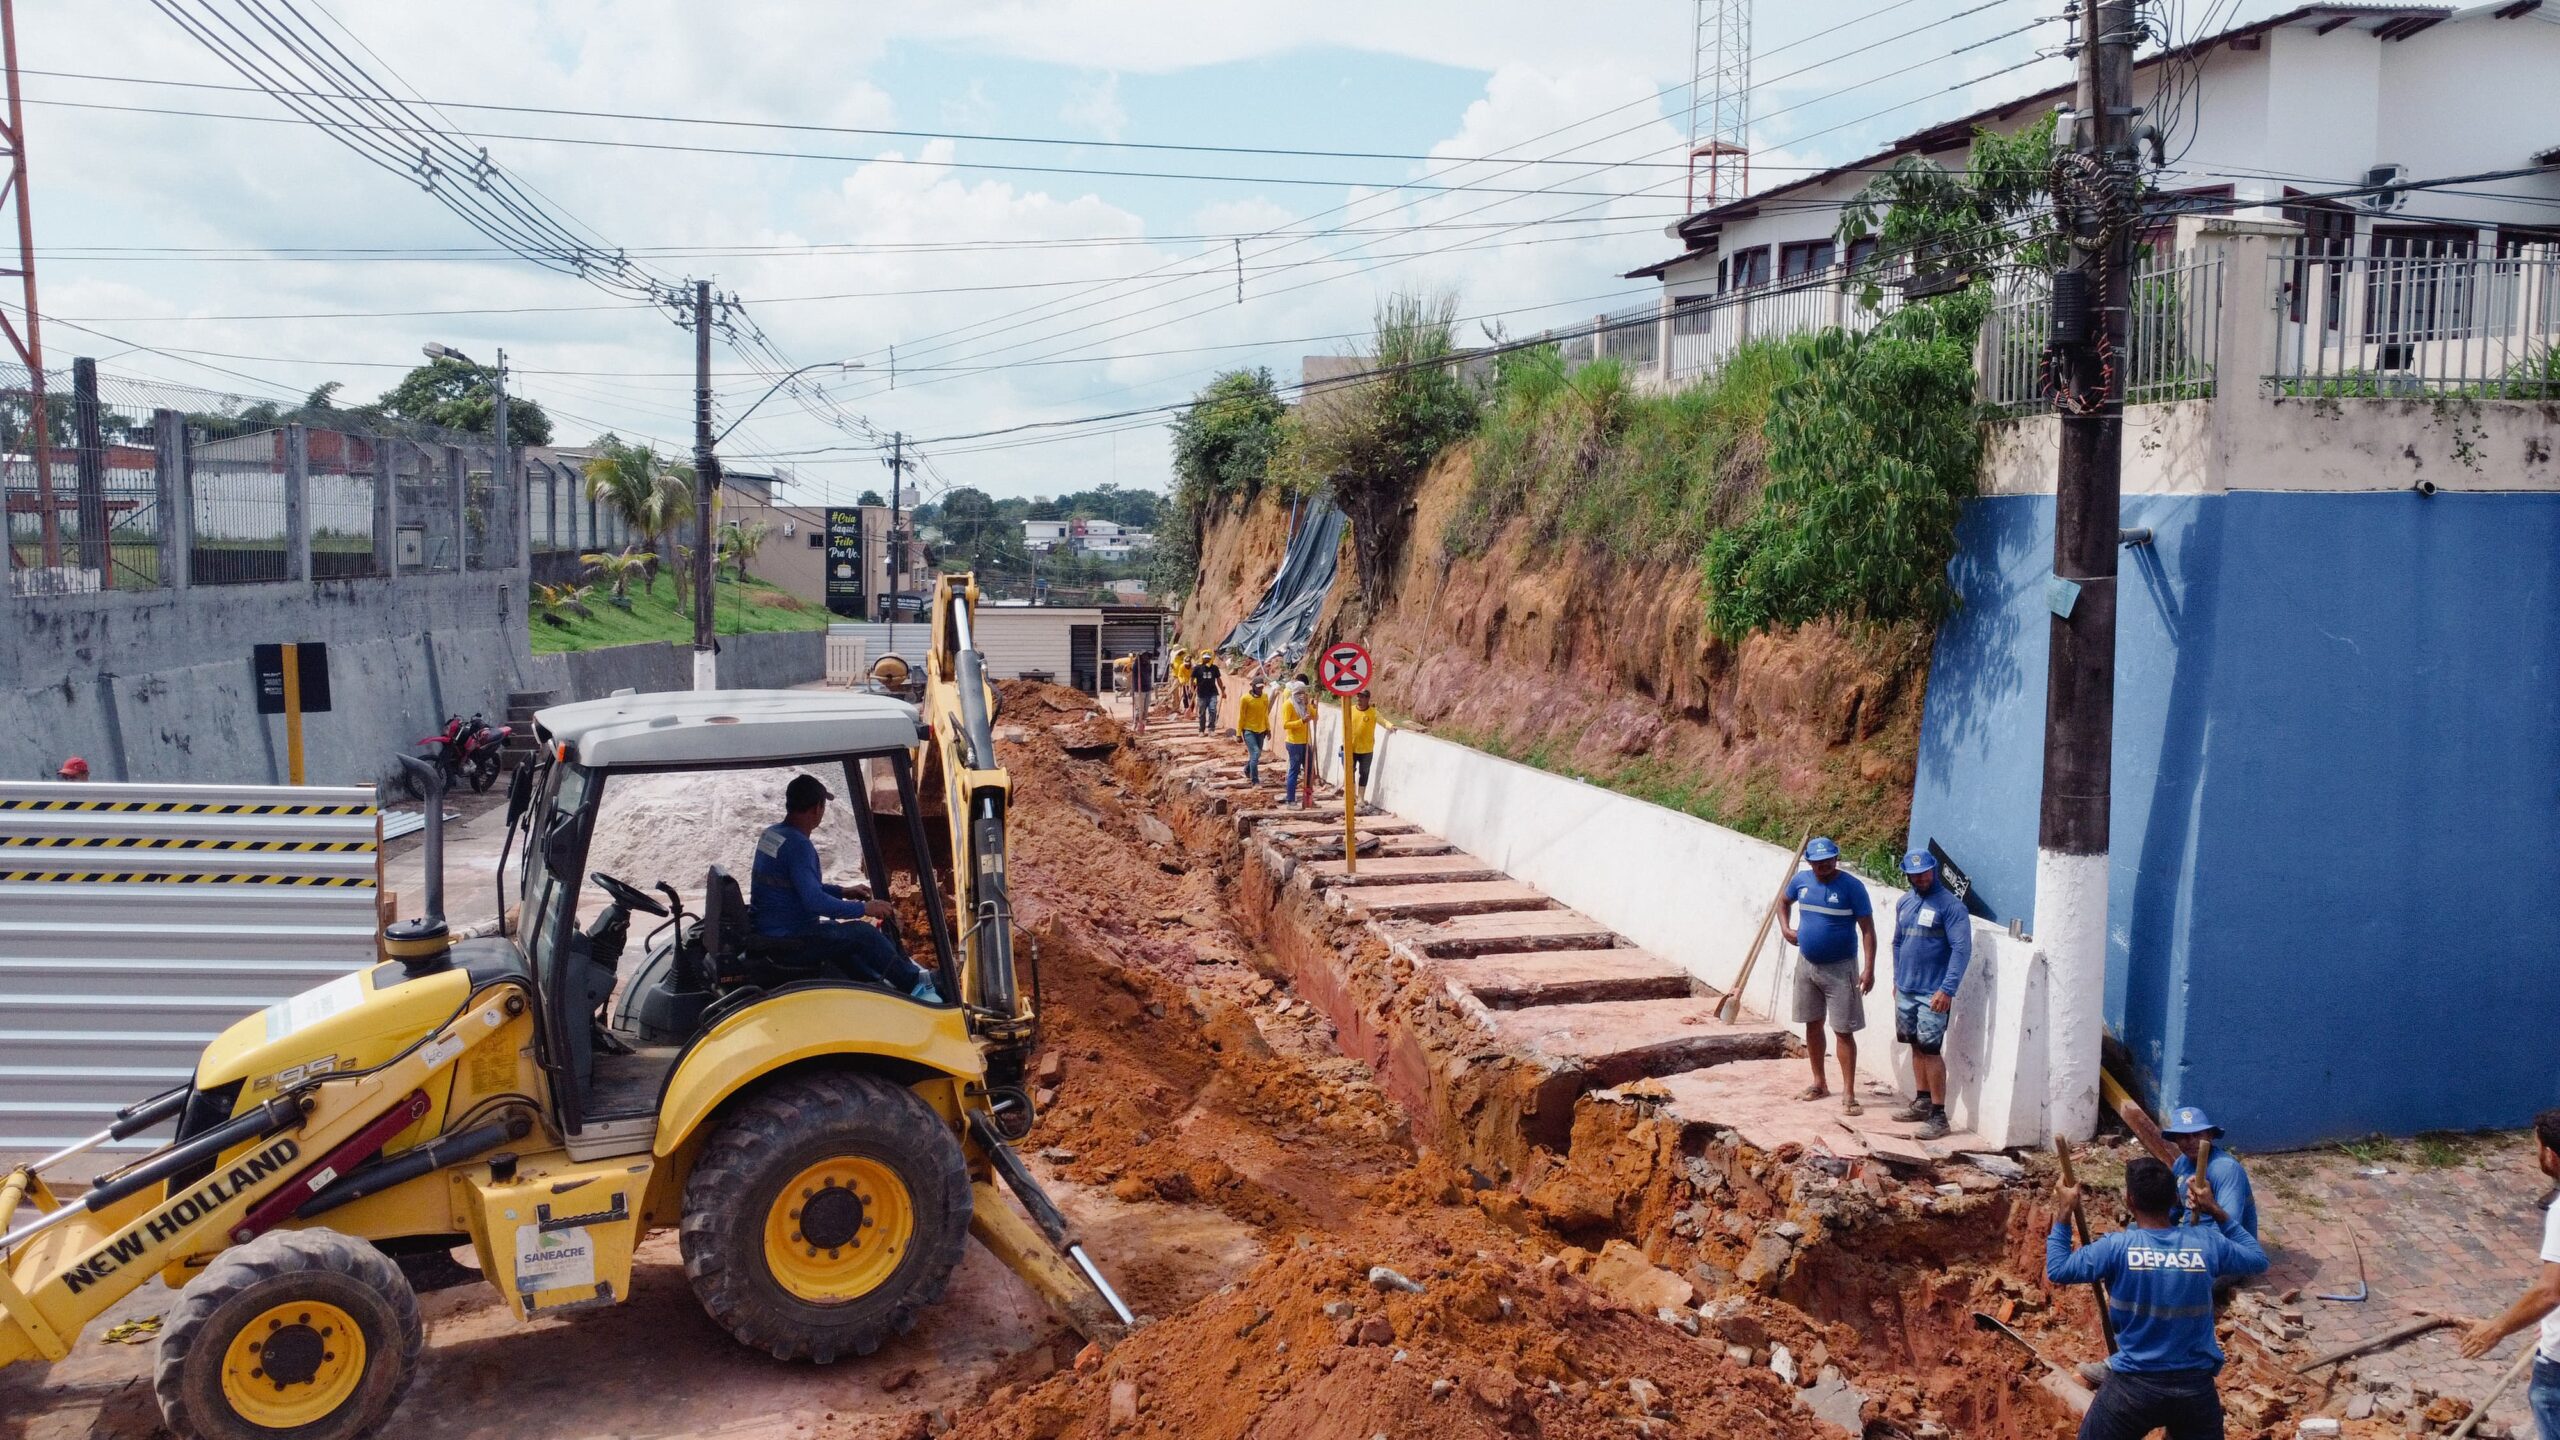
{"x":729,"y":727}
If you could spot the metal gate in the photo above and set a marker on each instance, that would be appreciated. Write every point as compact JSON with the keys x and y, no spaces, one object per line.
{"x":137,"y":922}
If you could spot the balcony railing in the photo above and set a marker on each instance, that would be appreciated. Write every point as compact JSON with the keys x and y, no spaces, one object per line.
{"x":2482,"y":327}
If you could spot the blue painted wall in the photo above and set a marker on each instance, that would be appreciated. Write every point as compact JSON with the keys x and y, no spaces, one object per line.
{"x":2337,"y":796}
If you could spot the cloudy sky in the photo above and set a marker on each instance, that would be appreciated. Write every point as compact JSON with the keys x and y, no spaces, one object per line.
{"x":237,"y":248}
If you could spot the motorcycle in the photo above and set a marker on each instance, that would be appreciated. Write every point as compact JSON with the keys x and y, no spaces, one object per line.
{"x":467,"y":751}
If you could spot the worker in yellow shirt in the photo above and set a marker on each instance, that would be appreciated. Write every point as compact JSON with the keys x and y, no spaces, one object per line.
{"x":1180,"y":665}
{"x":1253,"y":727}
{"x":1297,"y":731}
{"x":1360,"y":731}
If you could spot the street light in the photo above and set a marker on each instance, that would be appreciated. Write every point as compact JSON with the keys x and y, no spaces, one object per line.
{"x":777,"y":385}
{"x":434,"y":351}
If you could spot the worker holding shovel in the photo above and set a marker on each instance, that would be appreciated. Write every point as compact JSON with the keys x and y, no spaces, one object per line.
{"x":2540,"y":1304}
{"x":2159,"y":1283}
{"x":1836,"y":918}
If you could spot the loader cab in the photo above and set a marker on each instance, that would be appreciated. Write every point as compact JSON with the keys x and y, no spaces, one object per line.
{"x":632,"y":968}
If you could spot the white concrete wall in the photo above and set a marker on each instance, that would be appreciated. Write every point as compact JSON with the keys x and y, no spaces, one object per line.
{"x":1018,"y":638}
{"x":1692,"y":892}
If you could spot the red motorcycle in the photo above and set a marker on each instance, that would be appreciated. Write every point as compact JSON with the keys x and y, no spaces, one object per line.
{"x":467,"y":751}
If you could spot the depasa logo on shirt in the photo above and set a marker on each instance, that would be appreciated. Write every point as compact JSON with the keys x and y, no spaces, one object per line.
{"x":2164,"y":1260}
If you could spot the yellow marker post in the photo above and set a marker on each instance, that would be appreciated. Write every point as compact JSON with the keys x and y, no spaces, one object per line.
{"x":293,"y":714}
{"x":1350,"y":799}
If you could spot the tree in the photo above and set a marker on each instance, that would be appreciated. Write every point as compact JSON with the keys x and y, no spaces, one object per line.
{"x":619,"y":566}
{"x":976,"y":533}
{"x":652,"y":496}
{"x":1223,"y":443}
{"x":458,"y":395}
{"x":1942,"y":223}
{"x":739,"y":542}
{"x":870,"y":497}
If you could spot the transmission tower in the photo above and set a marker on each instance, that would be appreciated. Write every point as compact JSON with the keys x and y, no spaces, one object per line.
{"x":1720,"y":104}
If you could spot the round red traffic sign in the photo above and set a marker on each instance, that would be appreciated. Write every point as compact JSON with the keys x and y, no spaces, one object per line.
{"x":1344,"y":669}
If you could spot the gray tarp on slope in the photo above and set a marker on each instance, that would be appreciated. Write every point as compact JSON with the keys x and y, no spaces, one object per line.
{"x":1285,"y":620}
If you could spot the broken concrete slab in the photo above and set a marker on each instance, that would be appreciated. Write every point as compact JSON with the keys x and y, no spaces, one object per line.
{"x":1616,"y":1041}
{"x":1314,"y":822}
{"x":1835,"y":1402}
{"x":1570,"y":977}
{"x":1756,"y":1100}
{"x":1448,"y":900}
{"x":1514,"y":932}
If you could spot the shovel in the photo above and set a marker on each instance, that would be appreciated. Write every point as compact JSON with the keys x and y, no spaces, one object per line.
{"x":2059,"y":1383}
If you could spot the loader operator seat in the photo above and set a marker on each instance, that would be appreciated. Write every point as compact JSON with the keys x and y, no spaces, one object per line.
{"x":735,"y":953}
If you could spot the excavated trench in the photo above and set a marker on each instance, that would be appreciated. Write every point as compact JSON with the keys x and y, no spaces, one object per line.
{"x":1454,"y":1236}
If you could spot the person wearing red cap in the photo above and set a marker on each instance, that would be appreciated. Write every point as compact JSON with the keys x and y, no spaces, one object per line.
{"x":74,"y":768}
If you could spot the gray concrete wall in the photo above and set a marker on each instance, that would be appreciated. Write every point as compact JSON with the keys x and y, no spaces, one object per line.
{"x":160,"y":685}
{"x":775,"y":661}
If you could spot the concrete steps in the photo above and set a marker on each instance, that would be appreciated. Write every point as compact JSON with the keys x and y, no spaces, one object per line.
{"x":1473,"y":935}
{"x":1570,"y":977}
{"x":1447,"y":901}
{"x":1392,"y":869}
{"x":1616,"y":1042}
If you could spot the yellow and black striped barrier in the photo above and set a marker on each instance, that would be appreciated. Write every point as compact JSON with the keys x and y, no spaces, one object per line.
{"x":178,"y":842}
{"x":174,"y":807}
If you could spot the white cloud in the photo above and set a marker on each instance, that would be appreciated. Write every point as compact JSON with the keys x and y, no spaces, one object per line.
{"x":1095,"y":106}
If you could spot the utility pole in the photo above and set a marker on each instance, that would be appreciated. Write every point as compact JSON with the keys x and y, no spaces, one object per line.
{"x":706,"y":485}
{"x":504,"y":497}
{"x":897,"y":463}
{"x":30,"y":346}
{"x":2094,"y":195}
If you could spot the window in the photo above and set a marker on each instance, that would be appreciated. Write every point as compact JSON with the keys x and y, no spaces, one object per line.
{"x":1805,"y":257}
{"x":1861,"y":251}
{"x":2159,"y":233}
{"x":1749,"y":268}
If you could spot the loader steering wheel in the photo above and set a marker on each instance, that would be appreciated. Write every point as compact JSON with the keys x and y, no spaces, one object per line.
{"x":629,"y":897}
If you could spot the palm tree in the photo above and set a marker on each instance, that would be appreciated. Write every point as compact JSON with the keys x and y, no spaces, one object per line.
{"x":739,"y":542}
{"x":652,"y":495}
{"x":619,"y":566}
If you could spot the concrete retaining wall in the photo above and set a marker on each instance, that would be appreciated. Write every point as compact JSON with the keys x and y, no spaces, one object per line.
{"x":1692,"y":892}
{"x":160,"y":685}
{"x":774,"y":661}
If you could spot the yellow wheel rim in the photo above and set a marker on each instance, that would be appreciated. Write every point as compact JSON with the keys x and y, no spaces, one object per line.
{"x":295,"y":1364}
{"x":838,"y":1230}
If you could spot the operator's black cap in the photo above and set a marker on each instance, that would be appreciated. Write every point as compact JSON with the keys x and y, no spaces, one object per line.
{"x":803,"y":792}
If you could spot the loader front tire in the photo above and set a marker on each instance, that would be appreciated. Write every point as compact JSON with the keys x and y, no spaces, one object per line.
{"x":824,"y":1215}
{"x":307,"y":1334}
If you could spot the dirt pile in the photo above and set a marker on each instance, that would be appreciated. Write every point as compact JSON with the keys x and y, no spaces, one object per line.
{"x":1642,"y":1277}
{"x":676,"y":827}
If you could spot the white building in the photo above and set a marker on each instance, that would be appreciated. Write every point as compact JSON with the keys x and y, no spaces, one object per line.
{"x":2318,"y":98}
{"x":1041,"y":536}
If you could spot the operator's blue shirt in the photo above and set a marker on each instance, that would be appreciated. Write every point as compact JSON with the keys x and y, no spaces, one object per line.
{"x":1827,"y":913}
{"x":2159,"y":1288}
{"x":1932,"y":942}
{"x":2230,"y":1184}
{"x":788,"y":897}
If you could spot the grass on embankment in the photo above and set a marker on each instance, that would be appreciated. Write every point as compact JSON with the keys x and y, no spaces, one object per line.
{"x":749,"y":608}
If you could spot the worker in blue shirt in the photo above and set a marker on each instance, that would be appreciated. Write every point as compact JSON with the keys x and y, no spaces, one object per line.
{"x":1932,"y":945}
{"x":2189,"y":1128}
{"x":2159,"y":1279}
{"x":1836,"y":918}
{"x":790,"y":902}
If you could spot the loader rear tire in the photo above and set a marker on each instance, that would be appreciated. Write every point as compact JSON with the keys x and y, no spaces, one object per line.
{"x":306,"y":1334}
{"x":840,"y":1157}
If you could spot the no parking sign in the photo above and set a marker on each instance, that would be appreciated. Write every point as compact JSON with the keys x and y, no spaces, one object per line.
{"x":1344,"y":669}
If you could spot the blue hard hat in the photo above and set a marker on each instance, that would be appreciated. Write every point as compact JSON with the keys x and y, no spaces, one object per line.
{"x":1821,"y":848}
{"x":1919,"y":862}
{"x":2188,"y":1120}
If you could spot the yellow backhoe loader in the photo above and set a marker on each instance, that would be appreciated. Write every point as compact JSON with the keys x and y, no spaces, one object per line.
{"x":823,"y":1146}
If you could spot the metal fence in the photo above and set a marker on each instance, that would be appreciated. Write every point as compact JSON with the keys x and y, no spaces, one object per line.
{"x":1706,"y":331}
{"x":139,"y":921}
{"x":2173,"y":334}
{"x":2481,"y":327}
{"x":185,"y":487}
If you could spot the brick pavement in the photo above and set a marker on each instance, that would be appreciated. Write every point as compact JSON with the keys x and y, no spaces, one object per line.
{"x":2459,"y":1237}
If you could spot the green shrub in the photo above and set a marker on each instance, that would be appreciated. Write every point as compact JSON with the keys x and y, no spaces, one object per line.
{"x":1872,"y":451}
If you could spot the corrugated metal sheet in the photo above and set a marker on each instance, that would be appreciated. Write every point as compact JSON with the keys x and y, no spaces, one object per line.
{"x":1016,"y":639}
{"x":138,"y":921}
